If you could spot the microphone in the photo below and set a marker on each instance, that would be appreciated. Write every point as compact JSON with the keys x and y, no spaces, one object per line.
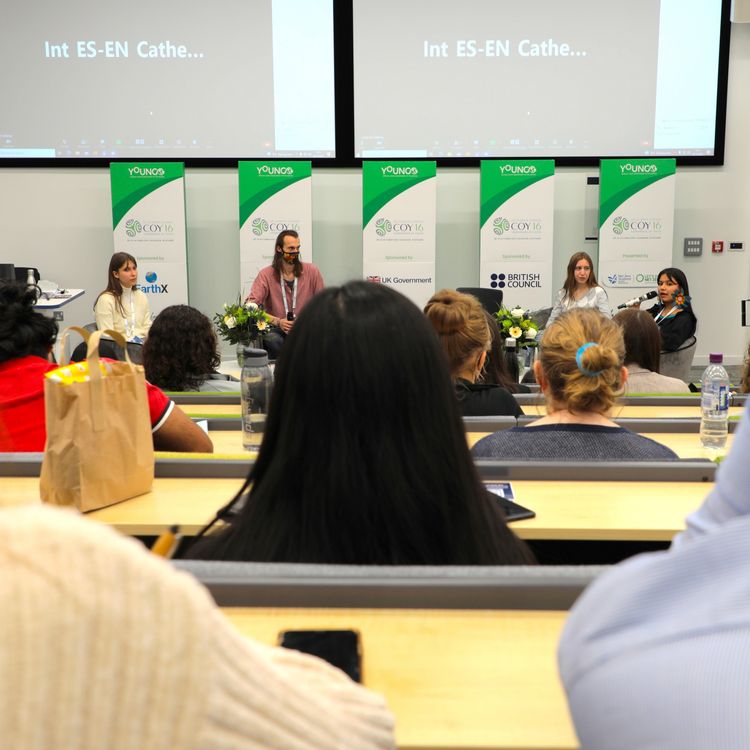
{"x":637,"y":300}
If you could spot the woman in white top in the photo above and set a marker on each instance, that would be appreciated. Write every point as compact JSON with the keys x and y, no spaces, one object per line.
{"x":580,"y":289}
{"x":121,"y":306}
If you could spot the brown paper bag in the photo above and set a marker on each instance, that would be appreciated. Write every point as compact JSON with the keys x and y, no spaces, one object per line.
{"x":99,"y":448}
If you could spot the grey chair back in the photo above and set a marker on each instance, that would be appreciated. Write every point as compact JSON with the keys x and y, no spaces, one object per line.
{"x":677,"y":364}
{"x":490,"y":299}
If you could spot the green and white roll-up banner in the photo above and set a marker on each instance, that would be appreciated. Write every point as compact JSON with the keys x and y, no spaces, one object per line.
{"x":274,"y":196}
{"x":148,"y":216}
{"x":516,"y":220}
{"x":398,"y":226}
{"x":636,"y":223}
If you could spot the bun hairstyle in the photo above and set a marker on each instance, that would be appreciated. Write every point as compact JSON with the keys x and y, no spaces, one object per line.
{"x":581,"y":356}
{"x":23,"y":330}
{"x":461,"y":325}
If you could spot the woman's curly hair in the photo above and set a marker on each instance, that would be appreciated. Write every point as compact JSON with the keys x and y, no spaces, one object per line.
{"x":181,"y":350}
{"x":23,"y":329}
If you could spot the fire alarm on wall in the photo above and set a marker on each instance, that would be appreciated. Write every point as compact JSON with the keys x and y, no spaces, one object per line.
{"x":717,"y":246}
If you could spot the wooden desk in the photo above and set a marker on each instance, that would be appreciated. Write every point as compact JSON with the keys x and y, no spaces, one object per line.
{"x":684,"y":444}
{"x":624,"y":511}
{"x":639,"y":412}
{"x":453,"y":678}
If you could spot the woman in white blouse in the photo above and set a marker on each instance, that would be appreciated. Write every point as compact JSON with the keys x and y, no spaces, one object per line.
{"x":122,"y":306}
{"x":580,"y":289}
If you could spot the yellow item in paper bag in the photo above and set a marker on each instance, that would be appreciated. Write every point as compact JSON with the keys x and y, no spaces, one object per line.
{"x":76,"y":372}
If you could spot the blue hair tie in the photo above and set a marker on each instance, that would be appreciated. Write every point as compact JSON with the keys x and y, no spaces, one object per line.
{"x":579,"y":355}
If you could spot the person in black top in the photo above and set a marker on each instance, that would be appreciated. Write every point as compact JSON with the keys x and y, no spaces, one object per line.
{"x":461,"y":324}
{"x":673,"y":314}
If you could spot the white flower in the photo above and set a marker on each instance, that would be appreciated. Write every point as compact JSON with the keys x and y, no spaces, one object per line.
{"x":531,"y":333}
{"x":515,"y":332}
{"x":251,"y":306}
{"x":262,"y":325}
{"x":229,"y":321}
{"x":517,"y":312}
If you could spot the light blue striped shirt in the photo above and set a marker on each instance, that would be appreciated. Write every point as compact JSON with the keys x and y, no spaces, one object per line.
{"x":656,"y":653}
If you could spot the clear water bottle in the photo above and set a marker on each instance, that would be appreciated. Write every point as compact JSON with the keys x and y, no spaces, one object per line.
{"x":257,"y":381}
{"x":714,"y":404}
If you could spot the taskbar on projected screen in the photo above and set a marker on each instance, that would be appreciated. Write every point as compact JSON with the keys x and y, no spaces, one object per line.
{"x":530,"y":152}
{"x":188,"y":152}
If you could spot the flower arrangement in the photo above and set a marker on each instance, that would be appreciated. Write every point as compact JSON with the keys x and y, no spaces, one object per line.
{"x":242,"y":322}
{"x":519,"y":325}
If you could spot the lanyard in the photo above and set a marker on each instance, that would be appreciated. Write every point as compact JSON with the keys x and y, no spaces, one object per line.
{"x":661,"y":317}
{"x":130,"y":322}
{"x":283,"y":294}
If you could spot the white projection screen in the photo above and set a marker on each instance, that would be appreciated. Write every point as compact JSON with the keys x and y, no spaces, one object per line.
{"x":540,"y":78}
{"x":174,"y":79}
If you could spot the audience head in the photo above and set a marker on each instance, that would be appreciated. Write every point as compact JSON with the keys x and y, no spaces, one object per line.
{"x":580,"y":365}
{"x":461,"y":325}
{"x":23,"y":329}
{"x":364,"y":457}
{"x":495,"y":366}
{"x":581,"y":265}
{"x":642,"y":338}
{"x":181,"y":349}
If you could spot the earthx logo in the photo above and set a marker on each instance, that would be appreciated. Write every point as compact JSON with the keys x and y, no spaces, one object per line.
{"x":153,"y":287}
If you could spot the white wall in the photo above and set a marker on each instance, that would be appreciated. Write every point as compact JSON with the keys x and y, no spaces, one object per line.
{"x":60,"y":221}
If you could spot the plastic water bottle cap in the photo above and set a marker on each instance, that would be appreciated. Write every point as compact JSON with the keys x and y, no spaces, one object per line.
{"x":255,"y":357}
{"x":715,"y":359}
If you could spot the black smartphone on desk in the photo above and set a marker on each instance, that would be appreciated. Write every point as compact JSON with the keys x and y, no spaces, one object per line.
{"x":503,"y":494}
{"x":341,"y":648}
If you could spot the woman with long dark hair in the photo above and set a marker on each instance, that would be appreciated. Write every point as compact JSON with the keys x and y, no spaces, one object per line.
{"x":364,"y":457}
{"x":122,"y":306}
{"x":580,"y":289}
{"x":674,"y":312}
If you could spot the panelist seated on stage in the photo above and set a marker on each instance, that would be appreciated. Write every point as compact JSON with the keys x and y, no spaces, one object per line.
{"x":674,"y":312}
{"x":123,"y":307}
{"x":642,"y":347}
{"x":581,"y":289}
{"x":105,"y":645}
{"x":656,"y":652}
{"x":284,"y":288}
{"x":182,"y":353}
{"x":26,"y":341}
{"x":464,"y":333}
{"x":364,"y":458}
{"x":581,"y":373}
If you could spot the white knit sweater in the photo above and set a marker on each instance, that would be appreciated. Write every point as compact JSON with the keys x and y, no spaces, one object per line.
{"x":103,"y":645}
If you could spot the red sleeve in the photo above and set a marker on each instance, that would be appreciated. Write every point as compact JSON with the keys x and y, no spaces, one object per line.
{"x":159,"y":406}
